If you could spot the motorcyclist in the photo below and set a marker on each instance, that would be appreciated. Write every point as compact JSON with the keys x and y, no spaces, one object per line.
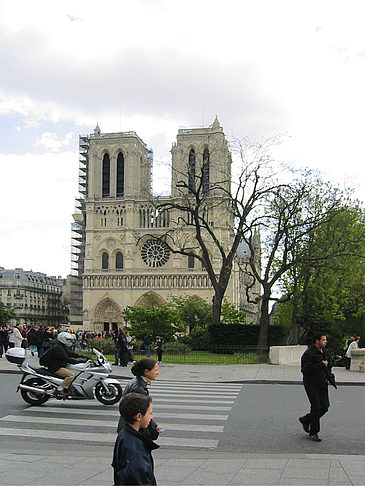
{"x":61,"y":356}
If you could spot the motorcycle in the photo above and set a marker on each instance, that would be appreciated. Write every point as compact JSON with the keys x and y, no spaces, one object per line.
{"x":38,"y":385}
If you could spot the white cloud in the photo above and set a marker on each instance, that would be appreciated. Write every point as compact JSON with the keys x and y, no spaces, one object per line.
{"x":51,"y":142}
{"x":37,"y":196}
{"x":152,"y":66}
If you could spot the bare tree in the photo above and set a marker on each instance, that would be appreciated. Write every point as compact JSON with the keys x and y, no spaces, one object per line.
{"x":209,"y":222}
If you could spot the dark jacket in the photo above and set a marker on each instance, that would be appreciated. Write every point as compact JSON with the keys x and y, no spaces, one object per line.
{"x":147,"y":341}
{"x":61,"y":356}
{"x":3,"y":337}
{"x":39,"y":336}
{"x":138,"y":385}
{"x":315,"y":374}
{"x":132,"y":458}
{"x":121,"y":343}
{"x":159,"y":345}
{"x":31,"y":337}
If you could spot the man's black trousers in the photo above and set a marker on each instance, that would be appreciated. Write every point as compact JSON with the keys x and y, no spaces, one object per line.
{"x":318,"y":398}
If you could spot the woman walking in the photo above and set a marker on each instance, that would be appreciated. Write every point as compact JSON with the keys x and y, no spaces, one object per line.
{"x":145,"y":370}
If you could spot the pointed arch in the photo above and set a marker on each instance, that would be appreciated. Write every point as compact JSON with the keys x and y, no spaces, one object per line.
{"x":107,"y":311}
{"x":205,"y":171}
{"x":120,"y":175}
{"x":106,"y":176}
{"x":105,"y":261}
{"x":150,"y":299}
{"x":119,"y":261}
{"x":191,"y":261}
{"x":191,"y":170}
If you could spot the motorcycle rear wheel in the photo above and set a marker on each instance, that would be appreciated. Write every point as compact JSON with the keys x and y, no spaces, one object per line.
{"x":111,"y":397}
{"x":31,"y":397}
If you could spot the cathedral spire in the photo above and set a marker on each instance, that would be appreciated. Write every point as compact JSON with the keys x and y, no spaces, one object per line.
{"x":97,"y":130}
{"x":216,"y":123}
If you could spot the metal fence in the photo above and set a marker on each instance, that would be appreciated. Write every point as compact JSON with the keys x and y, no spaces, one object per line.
{"x":214,"y":355}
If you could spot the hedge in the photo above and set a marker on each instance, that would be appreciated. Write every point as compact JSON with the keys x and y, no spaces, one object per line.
{"x":246,"y":335}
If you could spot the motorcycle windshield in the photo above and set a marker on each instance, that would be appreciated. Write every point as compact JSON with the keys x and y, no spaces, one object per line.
{"x":102,"y":360}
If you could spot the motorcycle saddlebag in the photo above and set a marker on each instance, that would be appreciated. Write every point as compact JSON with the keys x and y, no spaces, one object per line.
{"x":15,"y":355}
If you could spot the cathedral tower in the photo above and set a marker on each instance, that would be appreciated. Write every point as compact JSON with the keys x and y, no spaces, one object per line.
{"x":121,"y":261}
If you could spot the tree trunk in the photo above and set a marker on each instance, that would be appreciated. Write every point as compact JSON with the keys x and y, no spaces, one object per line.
{"x":293,"y":335}
{"x":217,"y":307}
{"x":264,"y":322}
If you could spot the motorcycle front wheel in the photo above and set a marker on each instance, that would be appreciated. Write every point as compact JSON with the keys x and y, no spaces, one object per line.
{"x":110,"y":397}
{"x":31,"y":397}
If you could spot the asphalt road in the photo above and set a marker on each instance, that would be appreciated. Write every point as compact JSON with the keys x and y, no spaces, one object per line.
{"x":10,"y":401}
{"x":264,"y":419}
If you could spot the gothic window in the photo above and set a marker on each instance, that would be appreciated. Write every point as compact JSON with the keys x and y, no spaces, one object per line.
{"x":191,"y":261}
{"x":205,"y":171}
{"x":155,"y":253}
{"x":119,"y":261}
{"x":191,"y":171}
{"x":120,"y":216}
{"x":106,"y":176}
{"x":120,"y":175}
{"x":104,"y":261}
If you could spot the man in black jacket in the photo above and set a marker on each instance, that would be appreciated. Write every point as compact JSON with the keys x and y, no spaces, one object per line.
{"x":61,"y":356}
{"x":316,"y":368}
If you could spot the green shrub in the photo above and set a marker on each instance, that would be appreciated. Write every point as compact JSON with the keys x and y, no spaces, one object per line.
{"x":197,"y":339}
{"x":106,"y":346}
{"x":236,"y":334}
{"x":177,"y":347}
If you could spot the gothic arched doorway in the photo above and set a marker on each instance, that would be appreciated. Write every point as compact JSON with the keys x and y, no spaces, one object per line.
{"x":107,"y":316}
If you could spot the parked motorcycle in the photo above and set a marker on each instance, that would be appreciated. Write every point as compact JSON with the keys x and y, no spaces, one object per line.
{"x":38,"y":385}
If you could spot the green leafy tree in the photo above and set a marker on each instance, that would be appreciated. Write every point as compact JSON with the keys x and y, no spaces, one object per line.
{"x":193,"y":311}
{"x":6,"y":314}
{"x":231,"y":315}
{"x":291,"y":219}
{"x":326,"y":288}
{"x":163,"y":320}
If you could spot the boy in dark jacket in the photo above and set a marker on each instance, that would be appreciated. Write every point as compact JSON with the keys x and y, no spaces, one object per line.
{"x":132,"y":458}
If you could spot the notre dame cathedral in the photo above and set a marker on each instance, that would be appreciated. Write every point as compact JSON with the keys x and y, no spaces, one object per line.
{"x":118,"y":258}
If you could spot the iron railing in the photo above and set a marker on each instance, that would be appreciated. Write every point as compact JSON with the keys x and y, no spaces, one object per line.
{"x":214,"y":355}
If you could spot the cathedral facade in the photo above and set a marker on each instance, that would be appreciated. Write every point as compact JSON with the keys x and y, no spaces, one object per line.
{"x":119,"y":256}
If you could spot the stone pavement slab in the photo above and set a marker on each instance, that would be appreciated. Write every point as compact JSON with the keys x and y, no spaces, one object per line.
{"x":177,"y":468}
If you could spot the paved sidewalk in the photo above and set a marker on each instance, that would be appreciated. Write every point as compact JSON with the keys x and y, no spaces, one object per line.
{"x":259,"y":373}
{"x":91,"y":466}
{"x":181,"y":468}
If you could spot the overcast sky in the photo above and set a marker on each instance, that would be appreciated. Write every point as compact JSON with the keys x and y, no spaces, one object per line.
{"x":295,"y":68}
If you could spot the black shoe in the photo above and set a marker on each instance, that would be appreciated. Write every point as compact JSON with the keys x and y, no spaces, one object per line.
{"x":61,"y":393}
{"x":116,"y":364}
{"x":305,"y":424}
{"x":315,"y":437}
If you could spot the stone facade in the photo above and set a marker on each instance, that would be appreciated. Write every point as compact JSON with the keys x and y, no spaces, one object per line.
{"x":36,"y":298}
{"x":119,"y":259}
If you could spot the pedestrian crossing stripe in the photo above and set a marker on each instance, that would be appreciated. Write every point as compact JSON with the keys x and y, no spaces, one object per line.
{"x":193,"y":415}
{"x":114,"y":413}
{"x":106,"y":423}
{"x":107,"y":439}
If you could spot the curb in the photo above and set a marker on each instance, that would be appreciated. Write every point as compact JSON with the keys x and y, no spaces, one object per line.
{"x":242,"y":382}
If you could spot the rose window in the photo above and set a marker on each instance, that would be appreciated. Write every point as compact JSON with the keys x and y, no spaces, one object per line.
{"x":155,"y":253}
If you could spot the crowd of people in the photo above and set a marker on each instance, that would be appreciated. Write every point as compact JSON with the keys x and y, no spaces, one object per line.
{"x":37,"y":339}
